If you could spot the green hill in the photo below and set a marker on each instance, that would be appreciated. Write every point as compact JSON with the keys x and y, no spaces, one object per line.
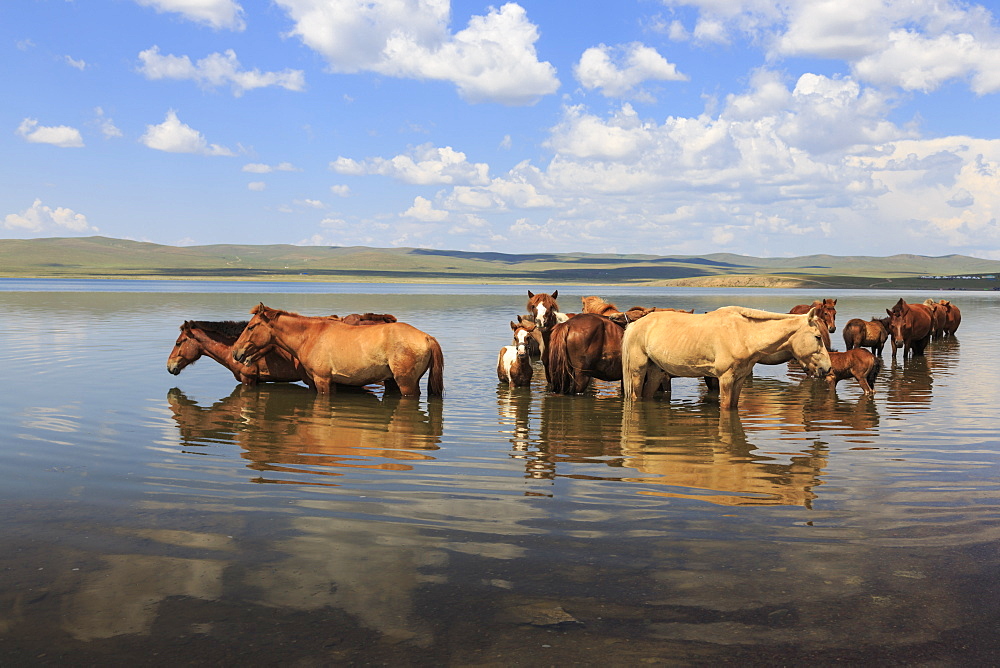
{"x":101,"y":257}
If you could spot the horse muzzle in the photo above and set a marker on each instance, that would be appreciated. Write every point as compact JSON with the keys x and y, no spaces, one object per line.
{"x":174,"y":368}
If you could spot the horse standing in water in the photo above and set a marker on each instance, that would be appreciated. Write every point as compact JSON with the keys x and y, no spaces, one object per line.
{"x":544,"y":309}
{"x":724,"y":344}
{"x":584,"y":347}
{"x":332,"y":353}
{"x":514,"y":361}
{"x":826,"y":310}
{"x":215,"y":339}
{"x":872,"y":334}
{"x":910,"y":327}
{"x":856,"y":363}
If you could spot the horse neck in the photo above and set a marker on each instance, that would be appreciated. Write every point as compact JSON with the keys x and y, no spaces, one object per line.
{"x":289,"y":331}
{"x":776,"y":334}
{"x":220,"y":351}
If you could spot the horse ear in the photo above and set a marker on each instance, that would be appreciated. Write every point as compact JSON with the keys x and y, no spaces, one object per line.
{"x":513,"y":325}
{"x":555,"y":294}
{"x":530,"y":294}
{"x":888,"y":312}
{"x":257,"y":309}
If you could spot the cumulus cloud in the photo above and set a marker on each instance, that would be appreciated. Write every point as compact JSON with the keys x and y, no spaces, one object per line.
{"x":424,"y":165}
{"x":493,"y":59}
{"x":918,"y":45}
{"x":173,"y":136}
{"x":57,"y":135}
{"x":424,"y":210}
{"x":44,"y":220}
{"x":107,"y":126}
{"x":214,"y":70}
{"x":619,"y":71}
{"x":214,"y":13}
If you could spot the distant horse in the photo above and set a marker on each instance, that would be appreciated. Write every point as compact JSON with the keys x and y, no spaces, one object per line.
{"x":215,"y":339}
{"x":826,"y":310}
{"x":585,"y":347}
{"x":939,"y":317}
{"x":724,"y":344}
{"x":333,"y":353}
{"x":872,"y":334}
{"x":856,"y":363}
{"x":598,"y":306}
{"x":953,"y":317}
{"x":514,"y":362}
{"x":910,"y":327}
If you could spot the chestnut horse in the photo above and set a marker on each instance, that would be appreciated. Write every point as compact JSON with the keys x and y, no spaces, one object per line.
{"x":514,"y":362}
{"x":872,"y":334}
{"x":215,"y":339}
{"x":856,"y":363}
{"x":584,"y":347}
{"x":534,"y":341}
{"x":331,"y":352}
{"x":910,"y":327}
{"x":724,"y":344}
{"x":939,"y":317}
{"x":953,"y":317}
{"x":826,"y":310}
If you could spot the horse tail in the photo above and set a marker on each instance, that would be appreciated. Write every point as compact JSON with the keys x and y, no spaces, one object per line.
{"x":435,"y":379}
{"x":560,"y":375}
{"x":873,"y":374}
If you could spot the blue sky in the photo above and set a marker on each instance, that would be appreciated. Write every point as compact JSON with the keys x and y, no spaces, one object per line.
{"x":758,"y":127}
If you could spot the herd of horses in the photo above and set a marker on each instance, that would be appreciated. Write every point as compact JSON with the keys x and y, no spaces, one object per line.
{"x":643,"y":348}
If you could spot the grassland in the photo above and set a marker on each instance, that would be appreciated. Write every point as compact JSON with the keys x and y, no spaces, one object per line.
{"x":102,"y":257}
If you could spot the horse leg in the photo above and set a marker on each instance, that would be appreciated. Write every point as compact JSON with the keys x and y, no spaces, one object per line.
{"x":324,"y":386}
{"x":656,"y":378}
{"x":730,"y":386}
{"x":390,"y":386}
{"x":863,"y":382}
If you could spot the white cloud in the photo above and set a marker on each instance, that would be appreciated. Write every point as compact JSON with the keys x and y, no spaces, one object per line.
{"x":214,"y":13}
{"x":260,"y":168}
{"x":424,"y":165}
{"x":618,"y":71}
{"x":917,"y":45}
{"x":216,"y":69}
{"x":492,"y":60}
{"x":41,"y":219}
{"x":424,"y":210}
{"x":108,"y":127}
{"x":78,"y":64}
{"x":257,"y":186}
{"x":173,"y":136}
{"x":57,"y":135}
{"x":341,"y":190}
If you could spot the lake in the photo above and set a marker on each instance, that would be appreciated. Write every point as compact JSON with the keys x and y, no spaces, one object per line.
{"x":152,"y":519}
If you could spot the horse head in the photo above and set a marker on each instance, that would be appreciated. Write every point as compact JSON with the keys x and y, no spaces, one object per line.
{"x":186,"y":350}
{"x":544,"y":308}
{"x":258,"y":336}
{"x":521,"y":337}
{"x":810,"y":343}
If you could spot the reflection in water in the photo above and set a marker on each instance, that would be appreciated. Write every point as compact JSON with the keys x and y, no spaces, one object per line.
{"x":688,"y":450}
{"x":292,"y":431}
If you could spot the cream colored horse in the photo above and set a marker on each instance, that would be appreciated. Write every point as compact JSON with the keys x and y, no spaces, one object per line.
{"x":724,"y":344}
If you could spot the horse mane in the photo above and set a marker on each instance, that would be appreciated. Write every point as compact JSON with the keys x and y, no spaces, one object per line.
{"x":227,"y":328}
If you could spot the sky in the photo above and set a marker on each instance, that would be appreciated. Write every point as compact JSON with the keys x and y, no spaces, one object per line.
{"x":758,"y":127}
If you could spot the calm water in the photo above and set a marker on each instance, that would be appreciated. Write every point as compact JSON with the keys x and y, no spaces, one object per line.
{"x":153,"y":520}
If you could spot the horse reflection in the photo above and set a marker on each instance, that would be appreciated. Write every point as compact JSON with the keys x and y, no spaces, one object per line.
{"x":710,"y":456}
{"x":802,"y":404}
{"x":306,"y":439}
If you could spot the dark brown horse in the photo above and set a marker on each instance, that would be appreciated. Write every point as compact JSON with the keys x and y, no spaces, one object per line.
{"x":215,"y":339}
{"x":584,"y":347}
{"x":910,"y":327}
{"x":826,"y":310}
{"x":856,"y":363}
{"x":333,"y":353}
{"x":872,"y":334}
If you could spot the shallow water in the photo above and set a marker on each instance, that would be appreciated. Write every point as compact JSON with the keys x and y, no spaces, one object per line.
{"x":156,"y":519}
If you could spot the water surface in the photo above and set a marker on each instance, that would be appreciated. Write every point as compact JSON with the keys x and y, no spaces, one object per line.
{"x":156,"y":519}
